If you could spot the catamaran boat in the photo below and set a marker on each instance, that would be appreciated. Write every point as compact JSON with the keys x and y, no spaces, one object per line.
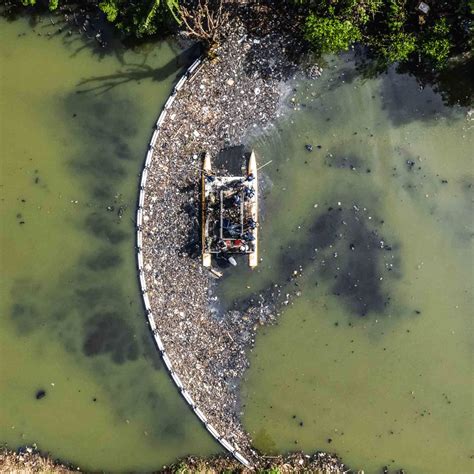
{"x":229,"y":214}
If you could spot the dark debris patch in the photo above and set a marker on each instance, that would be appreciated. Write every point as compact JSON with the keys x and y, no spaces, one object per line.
{"x":345,"y":248}
{"x":353,"y":256}
{"x":108,"y":333}
{"x":40,"y":394}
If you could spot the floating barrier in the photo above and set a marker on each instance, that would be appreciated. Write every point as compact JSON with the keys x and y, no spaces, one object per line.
{"x":139,"y":216}
{"x":180,"y":84}
{"x":170,"y":101}
{"x":142,"y":280}
{"x":143,"y":285}
{"x":227,"y":445}
{"x":200,"y":415}
{"x":161,"y":119}
{"x":167,"y":361}
{"x":188,"y":398}
{"x":154,"y":137}
{"x":177,"y":380}
{"x":146,"y":301}
{"x":149,"y":157}
{"x":193,"y":66}
{"x":240,"y":458}
{"x":213,"y":431}
{"x":159,"y":343}
{"x":144,"y":177}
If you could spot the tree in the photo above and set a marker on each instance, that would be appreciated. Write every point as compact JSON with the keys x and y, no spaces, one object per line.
{"x":109,"y":7}
{"x":330,"y":35}
{"x":435,"y":44}
{"x":205,"y":23}
{"x":393,"y":30}
{"x":396,"y":47}
{"x":333,"y":25}
{"x":141,"y":18}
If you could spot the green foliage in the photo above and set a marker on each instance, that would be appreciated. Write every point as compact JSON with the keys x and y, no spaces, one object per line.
{"x":435,"y":44}
{"x":140,"y":18}
{"x":394,"y":30}
{"x":110,"y":9}
{"x":365,"y":11}
{"x":396,"y":15}
{"x":356,"y":11}
{"x":146,"y":23}
{"x":397,"y":47}
{"x":53,"y":5}
{"x":182,"y":468}
{"x":330,"y":35}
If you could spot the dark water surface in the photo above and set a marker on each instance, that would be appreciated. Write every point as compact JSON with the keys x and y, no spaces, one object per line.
{"x":79,"y":373}
{"x":370,"y":236}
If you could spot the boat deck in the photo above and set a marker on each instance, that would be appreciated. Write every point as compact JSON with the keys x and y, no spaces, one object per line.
{"x":229,"y":214}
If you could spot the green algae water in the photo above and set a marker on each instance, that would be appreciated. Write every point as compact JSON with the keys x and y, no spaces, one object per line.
{"x":79,"y":373}
{"x":369,"y":236}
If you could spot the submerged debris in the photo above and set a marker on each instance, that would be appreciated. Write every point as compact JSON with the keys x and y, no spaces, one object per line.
{"x":40,"y":394}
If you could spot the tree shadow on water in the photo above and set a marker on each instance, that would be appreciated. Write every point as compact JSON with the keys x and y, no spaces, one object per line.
{"x":412,"y":91}
{"x":137,"y":72}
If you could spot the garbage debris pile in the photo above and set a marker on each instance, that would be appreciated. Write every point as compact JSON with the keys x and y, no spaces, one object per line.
{"x":226,"y":100}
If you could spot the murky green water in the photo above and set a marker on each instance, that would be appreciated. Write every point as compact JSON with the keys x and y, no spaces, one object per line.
{"x":374,"y":359}
{"x":74,"y":128}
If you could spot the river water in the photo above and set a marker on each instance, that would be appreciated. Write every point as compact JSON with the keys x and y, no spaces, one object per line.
{"x":370,"y":236}
{"x":74,"y":126}
{"x":371,"y":357}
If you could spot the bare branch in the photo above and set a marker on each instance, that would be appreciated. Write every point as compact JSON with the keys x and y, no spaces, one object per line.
{"x":205,"y":22}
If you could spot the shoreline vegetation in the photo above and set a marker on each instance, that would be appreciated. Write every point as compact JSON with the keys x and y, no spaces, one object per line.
{"x":29,"y":460}
{"x":430,"y":40}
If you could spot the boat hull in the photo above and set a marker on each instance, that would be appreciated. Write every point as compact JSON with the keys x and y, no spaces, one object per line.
{"x":252,"y":169}
{"x":206,"y":168}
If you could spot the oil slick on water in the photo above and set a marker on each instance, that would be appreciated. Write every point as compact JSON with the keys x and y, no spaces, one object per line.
{"x":370,"y":236}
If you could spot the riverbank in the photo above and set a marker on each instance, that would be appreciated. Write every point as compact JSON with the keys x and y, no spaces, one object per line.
{"x":29,"y":460}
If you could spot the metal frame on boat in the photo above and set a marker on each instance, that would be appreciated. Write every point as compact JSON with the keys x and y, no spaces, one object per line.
{"x":229,"y":214}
